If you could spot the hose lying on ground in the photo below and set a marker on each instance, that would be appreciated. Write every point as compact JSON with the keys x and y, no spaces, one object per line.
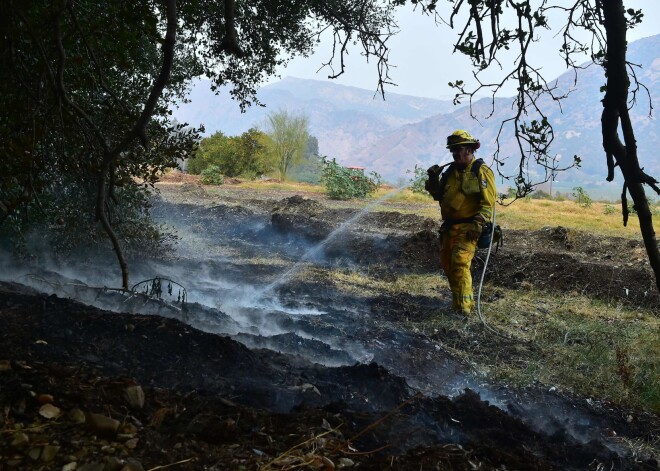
{"x":483,"y":275}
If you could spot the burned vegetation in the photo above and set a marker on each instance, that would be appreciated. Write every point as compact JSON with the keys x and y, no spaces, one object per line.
{"x":293,"y":351}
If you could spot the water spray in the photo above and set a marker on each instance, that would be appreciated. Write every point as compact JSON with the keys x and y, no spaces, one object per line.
{"x":317,"y":248}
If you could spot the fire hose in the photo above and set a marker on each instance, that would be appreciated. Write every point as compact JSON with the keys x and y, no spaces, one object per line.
{"x":483,"y":275}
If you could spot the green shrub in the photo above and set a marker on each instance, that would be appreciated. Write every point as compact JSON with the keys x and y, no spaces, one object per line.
{"x":610,"y":209}
{"x":244,"y":155}
{"x":418,"y":180}
{"x":212,"y":176}
{"x":582,"y":198}
{"x":342,"y":183}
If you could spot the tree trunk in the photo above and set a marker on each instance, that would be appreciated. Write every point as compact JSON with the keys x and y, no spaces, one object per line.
{"x":101,"y":215}
{"x":138,"y":131}
{"x":615,"y":113}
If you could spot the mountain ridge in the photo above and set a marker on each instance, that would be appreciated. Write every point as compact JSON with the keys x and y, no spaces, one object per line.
{"x":392,"y":136}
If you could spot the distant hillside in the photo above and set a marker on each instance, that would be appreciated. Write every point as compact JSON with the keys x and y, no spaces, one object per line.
{"x":391,"y":136}
{"x":342,"y":118}
{"x":577,"y":127}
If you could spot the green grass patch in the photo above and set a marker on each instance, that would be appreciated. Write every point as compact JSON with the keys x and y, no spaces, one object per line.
{"x":569,"y":342}
{"x":585,"y":346}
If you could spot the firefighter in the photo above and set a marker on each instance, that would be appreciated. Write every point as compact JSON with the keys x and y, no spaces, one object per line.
{"x":466,"y":192}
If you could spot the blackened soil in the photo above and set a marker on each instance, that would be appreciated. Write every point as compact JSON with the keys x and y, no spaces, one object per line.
{"x":210,"y":403}
{"x":555,"y":259}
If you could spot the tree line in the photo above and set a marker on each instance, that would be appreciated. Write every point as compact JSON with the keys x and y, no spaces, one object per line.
{"x":284,"y":149}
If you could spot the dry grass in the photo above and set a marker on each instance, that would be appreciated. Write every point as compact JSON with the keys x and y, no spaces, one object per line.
{"x":589,"y":347}
{"x":527,"y":214}
{"x":586,"y":346}
{"x":273,"y":185}
{"x":364,"y":285}
{"x":602,"y":218}
{"x":533,"y":214}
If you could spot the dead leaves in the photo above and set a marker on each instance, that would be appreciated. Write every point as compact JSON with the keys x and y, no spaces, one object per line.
{"x":322,"y":451}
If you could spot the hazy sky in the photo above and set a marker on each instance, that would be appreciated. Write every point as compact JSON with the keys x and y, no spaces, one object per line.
{"x":421,"y":54}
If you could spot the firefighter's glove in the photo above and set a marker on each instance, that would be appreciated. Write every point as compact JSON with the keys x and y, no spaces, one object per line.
{"x":474,"y":231}
{"x":432,"y":184}
{"x":434,"y":172}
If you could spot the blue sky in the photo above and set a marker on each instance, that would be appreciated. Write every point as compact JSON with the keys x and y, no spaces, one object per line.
{"x":421,"y":54}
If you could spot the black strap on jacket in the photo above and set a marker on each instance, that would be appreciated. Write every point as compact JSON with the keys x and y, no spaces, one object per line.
{"x":446,"y":174}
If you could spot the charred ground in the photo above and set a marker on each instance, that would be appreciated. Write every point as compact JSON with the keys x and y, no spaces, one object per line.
{"x":391,"y":395}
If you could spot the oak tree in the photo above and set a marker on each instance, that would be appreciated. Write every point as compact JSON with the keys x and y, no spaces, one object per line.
{"x":86,"y":88}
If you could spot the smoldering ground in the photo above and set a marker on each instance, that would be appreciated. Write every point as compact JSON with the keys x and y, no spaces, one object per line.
{"x":235,"y":264}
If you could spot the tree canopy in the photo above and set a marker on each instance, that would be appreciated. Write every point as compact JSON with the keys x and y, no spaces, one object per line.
{"x":87,"y":87}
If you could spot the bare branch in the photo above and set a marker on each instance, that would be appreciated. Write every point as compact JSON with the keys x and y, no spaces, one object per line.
{"x":624,"y":204}
{"x":638,"y":85}
{"x":362,"y":24}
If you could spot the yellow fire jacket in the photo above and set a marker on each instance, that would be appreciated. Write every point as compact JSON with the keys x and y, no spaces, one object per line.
{"x":466,"y":195}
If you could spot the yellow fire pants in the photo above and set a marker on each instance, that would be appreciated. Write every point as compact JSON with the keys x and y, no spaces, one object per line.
{"x":456,"y":253}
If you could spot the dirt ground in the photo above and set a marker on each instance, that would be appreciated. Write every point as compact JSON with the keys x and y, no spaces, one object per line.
{"x":268,"y":366}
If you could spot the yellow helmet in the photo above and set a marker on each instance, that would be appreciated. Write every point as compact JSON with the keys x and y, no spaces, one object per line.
{"x":461,"y":138}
